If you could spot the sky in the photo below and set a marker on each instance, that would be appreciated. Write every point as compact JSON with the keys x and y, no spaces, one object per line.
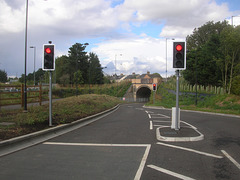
{"x":127,"y":35}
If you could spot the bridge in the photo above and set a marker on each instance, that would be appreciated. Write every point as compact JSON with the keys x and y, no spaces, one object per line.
{"x":142,"y":86}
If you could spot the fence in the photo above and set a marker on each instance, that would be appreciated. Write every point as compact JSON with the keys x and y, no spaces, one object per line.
{"x":14,"y":94}
{"x":200,"y":89}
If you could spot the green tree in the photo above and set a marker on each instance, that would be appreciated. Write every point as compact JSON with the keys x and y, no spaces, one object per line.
{"x":78,"y":60}
{"x":63,"y":69}
{"x":3,"y":76}
{"x":230,"y":43}
{"x":95,"y":70}
{"x":202,"y":34}
{"x":78,"y":79}
{"x":203,"y":51}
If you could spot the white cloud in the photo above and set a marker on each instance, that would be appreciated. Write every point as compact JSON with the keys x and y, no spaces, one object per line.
{"x":116,"y":22}
{"x":138,"y":55}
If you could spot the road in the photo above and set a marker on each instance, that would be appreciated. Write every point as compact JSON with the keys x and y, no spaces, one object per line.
{"x":123,"y":145}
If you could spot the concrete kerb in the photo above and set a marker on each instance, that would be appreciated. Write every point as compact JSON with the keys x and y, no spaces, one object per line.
{"x":21,"y":142}
{"x":178,"y":139}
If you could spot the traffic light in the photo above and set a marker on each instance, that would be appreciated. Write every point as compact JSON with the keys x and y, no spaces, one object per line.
{"x":179,"y":55}
{"x":48,"y":57}
{"x":154,"y":86}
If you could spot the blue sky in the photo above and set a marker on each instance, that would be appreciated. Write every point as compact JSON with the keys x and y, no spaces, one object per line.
{"x":136,"y":29}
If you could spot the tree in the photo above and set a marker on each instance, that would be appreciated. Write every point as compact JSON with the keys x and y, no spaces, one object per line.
{"x":62,"y":69}
{"x":230,"y":43}
{"x":78,"y":60}
{"x":3,"y":76}
{"x":78,"y":79}
{"x":202,"y":34}
{"x":95,"y":70}
{"x":203,"y":52}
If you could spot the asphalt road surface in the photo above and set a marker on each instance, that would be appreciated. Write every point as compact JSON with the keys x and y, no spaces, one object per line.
{"x":124,"y":145}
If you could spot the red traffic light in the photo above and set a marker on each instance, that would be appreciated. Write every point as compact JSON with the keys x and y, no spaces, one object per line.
{"x":179,"y":47}
{"x":48,"y":50}
{"x":154,"y":85}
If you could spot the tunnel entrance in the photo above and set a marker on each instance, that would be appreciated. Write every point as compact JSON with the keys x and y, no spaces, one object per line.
{"x":143,"y":94}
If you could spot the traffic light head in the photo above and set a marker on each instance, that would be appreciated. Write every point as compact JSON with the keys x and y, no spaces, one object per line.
{"x":179,"y":55}
{"x":154,"y":86}
{"x":48,"y":57}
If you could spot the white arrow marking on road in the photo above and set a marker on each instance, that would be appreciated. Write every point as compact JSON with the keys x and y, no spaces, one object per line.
{"x":180,"y":176}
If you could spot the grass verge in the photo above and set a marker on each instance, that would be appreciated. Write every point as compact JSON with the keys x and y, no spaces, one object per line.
{"x":63,"y":111}
{"x":226,"y":104}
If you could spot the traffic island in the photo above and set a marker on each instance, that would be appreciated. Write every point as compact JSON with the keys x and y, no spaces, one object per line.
{"x":184,"y":134}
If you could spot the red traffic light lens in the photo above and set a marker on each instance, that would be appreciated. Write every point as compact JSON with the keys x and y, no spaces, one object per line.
{"x":154,"y":84}
{"x":179,"y":47}
{"x":48,"y":50}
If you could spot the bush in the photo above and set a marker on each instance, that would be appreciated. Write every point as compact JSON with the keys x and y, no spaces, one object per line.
{"x":236,"y":85}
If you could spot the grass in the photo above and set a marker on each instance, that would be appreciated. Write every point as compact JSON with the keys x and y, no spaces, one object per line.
{"x":227,"y":104}
{"x":63,"y":111}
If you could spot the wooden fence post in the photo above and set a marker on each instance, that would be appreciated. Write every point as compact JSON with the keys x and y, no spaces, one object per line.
{"x":22,"y":95}
{"x":40,"y":94}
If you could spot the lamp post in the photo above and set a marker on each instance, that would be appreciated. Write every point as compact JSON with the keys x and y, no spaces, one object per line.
{"x":34,"y":47}
{"x":166,"y":55}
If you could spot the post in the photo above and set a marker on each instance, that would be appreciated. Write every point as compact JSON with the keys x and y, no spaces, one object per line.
{"x":50,"y":98}
{"x":154,"y":97}
{"x":40,"y":94}
{"x":177,"y":102}
{"x":25,"y":67}
{"x":22,"y":95}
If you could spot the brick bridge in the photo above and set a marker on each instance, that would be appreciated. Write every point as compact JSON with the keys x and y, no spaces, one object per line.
{"x":142,"y":86}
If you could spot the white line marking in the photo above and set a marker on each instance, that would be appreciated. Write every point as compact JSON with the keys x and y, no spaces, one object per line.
{"x":149,"y":116}
{"x":161,"y":121}
{"x":142,"y":164}
{"x":231,"y":159}
{"x":191,"y":150}
{"x":163,"y":115}
{"x":180,"y":176}
{"x":160,"y":126}
{"x":188,"y":124}
{"x":151,"y":125}
{"x":93,"y":144}
{"x":143,"y":161}
{"x":149,"y":112}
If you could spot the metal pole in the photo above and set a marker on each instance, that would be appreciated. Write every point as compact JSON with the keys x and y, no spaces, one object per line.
{"x":25,"y":68}
{"x":34,"y":65}
{"x":177,"y":101}
{"x":166,"y":59}
{"x":50,"y":98}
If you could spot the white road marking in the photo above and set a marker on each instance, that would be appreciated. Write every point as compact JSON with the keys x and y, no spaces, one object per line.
{"x":188,"y":124}
{"x":180,"y":176}
{"x":231,"y":159}
{"x":149,"y":116}
{"x":143,"y":161}
{"x":95,"y":144}
{"x":191,"y":150}
{"x":149,"y":112}
{"x":151,"y":125}
{"x":161,"y":121}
